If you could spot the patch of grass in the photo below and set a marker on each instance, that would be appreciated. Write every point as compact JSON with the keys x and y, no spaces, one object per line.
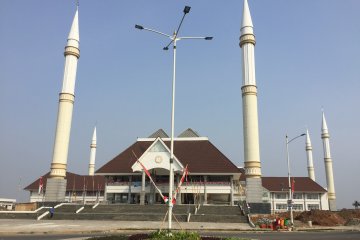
{"x":163,"y":235}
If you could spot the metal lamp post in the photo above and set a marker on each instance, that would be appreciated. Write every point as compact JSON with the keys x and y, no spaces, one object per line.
{"x":290,"y":201}
{"x":174,"y":38}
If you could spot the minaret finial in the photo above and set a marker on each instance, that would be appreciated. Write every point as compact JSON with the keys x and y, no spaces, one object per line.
{"x":73,"y":38}
{"x":310,"y":162}
{"x":324,"y":127}
{"x":308,"y":141}
{"x":246,"y":23}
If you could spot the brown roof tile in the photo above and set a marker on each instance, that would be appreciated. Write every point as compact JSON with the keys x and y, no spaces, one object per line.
{"x":200,"y":155}
{"x":74,"y":182}
{"x":302,"y":184}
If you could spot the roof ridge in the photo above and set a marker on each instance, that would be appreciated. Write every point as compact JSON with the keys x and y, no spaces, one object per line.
{"x":188,"y":133}
{"x":159,"y":133}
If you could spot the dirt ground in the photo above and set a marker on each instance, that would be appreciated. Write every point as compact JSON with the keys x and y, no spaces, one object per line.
{"x":345,"y":217}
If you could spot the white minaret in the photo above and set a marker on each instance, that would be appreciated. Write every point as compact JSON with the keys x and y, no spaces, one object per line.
{"x":250,"y":113}
{"x":56,"y":183}
{"x":92,"y":154}
{"x":310,"y":163}
{"x":328,"y":165}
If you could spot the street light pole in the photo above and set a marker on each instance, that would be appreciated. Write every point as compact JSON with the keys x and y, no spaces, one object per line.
{"x":174,"y":38}
{"x":171,"y":174}
{"x":290,"y":201}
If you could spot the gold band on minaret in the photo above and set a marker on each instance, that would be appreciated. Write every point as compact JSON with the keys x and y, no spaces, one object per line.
{"x":252,"y":169}
{"x":58,"y":170}
{"x":325,"y":135}
{"x":247,"y":38}
{"x":66,"y":97}
{"x":249,"y":90}
{"x":70,"y":50}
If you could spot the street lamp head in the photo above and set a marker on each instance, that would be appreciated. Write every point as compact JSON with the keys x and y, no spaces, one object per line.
{"x":186,"y":9}
{"x":303,"y":134}
{"x":165,"y":48}
{"x":208,"y":38}
{"x":139,"y":27}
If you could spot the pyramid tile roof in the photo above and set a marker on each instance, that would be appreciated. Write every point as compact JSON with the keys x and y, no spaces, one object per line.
{"x":201,"y":156}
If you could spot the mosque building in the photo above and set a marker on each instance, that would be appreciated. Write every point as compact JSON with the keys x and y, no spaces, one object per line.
{"x":203,"y":174}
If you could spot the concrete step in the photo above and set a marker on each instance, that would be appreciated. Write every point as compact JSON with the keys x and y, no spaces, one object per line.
{"x":131,"y":212}
{"x":218,"y":218}
{"x":115,"y":216}
{"x":180,"y":209}
{"x":219,"y":210}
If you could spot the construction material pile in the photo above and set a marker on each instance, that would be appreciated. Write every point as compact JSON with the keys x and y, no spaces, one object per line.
{"x":322,"y":218}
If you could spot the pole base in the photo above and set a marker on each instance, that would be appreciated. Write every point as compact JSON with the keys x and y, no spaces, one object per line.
{"x":254,"y":190}
{"x":332,"y":205}
{"x":55,"y":190}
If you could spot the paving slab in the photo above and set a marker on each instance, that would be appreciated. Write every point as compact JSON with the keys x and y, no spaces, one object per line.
{"x":29,"y":226}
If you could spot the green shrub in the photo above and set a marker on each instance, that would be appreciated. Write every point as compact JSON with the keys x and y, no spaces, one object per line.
{"x":163,"y":235}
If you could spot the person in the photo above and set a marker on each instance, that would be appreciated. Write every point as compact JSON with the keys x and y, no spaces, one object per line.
{"x":52,"y":210}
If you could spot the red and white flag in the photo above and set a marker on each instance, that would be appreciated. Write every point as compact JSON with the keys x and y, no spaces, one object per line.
{"x":41,"y":186}
{"x":293,"y":186}
{"x":184,"y":176}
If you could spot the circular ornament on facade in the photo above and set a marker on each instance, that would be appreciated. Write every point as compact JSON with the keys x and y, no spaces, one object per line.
{"x":158,"y":159}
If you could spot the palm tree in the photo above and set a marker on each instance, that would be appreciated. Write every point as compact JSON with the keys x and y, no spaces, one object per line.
{"x":356,"y":204}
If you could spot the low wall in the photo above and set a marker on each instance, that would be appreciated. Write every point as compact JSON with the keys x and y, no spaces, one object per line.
{"x":25,"y":206}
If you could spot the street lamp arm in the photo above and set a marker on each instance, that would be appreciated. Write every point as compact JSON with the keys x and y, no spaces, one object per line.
{"x":205,"y":38}
{"x":152,"y":30}
{"x":178,"y":29}
{"x":167,"y":46}
{"x":295,"y":138}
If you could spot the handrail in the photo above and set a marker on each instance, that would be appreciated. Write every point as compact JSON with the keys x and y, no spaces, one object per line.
{"x":80,"y":209}
{"x":245,"y":208}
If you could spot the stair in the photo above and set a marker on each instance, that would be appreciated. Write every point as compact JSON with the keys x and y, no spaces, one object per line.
{"x":220,"y":214}
{"x":123,"y":212}
{"x":133,"y":212}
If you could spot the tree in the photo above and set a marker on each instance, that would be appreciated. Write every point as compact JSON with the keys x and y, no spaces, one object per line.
{"x":356,"y":204}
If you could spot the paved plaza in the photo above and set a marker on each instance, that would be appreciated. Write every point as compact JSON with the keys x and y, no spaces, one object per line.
{"x":26,"y":226}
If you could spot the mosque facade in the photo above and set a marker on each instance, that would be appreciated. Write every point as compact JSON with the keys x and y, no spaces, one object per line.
{"x":203,"y":174}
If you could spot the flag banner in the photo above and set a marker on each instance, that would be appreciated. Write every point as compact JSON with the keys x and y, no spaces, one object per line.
{"x":183,"y":177}
{"x":292,"y":187}
{"x":41,"y":186}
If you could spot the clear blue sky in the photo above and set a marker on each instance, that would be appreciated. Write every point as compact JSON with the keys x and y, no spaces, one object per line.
{"x":307,"y":56}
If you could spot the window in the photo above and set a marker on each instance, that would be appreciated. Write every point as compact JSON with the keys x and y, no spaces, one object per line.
{"x":313,"y":206}
{"x":218,"y":178}
{"x":312,"y":196}
{"x":280,"y":196}
{"x":280,"y":206}
{"x":297,"y":207}
{"x":297,"y":196}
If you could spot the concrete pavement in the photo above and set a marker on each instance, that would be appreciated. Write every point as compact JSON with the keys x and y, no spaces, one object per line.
{"x":28,"y":226}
